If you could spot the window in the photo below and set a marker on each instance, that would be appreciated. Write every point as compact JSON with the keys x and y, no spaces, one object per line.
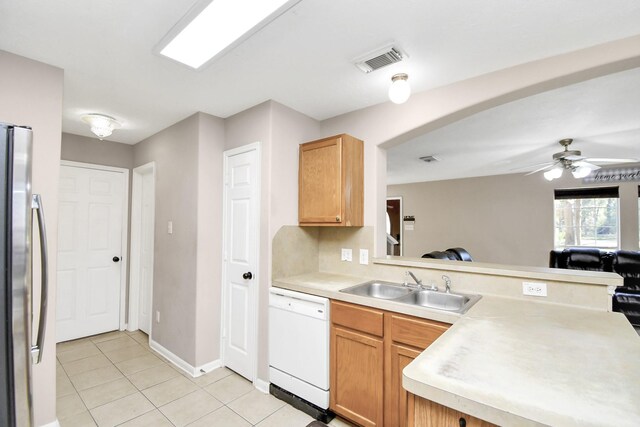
{"x":587,"y":217}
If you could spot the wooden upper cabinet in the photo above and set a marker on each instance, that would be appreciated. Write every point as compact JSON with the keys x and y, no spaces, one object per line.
{"x":331,"y":182}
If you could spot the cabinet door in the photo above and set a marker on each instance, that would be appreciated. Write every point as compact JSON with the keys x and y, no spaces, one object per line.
{"x":320,"y":182}
{"x":430,"y":414}
{"x":397,"y":406}
{"x":357,"y":376}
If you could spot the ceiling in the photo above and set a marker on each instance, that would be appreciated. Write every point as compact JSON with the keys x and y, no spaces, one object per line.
{"x":304,"y":59}
{"x":602,"y":116}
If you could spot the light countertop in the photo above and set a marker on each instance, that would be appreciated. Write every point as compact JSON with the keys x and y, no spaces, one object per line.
{"x":516,"y":362}
{"x":523,"y":363}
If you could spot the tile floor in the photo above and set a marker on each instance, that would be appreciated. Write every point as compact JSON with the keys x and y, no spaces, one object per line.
{"x":115,"y":379}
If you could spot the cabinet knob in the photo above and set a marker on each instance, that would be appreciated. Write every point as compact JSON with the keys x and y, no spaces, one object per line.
{"x":338,"y":218}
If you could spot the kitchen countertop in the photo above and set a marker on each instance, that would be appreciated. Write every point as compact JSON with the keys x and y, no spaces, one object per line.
{"x":523,"y":363}
{"x":517,"y":362}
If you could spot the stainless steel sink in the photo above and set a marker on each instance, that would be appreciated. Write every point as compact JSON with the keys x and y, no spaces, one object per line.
{"x":458,"y":303}
{"x":453,"y":302}
{"x":379,"y":289}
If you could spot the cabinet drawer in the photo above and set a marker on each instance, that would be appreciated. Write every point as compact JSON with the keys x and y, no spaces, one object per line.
{"x":419,"y":333}
{"x":357,"y":317}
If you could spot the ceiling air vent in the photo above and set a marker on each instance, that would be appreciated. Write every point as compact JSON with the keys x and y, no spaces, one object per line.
{"x":380,"y":58}
{"x":429,"y":159}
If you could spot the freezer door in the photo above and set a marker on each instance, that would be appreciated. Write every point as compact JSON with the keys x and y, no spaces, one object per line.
{"x":16,"y":199}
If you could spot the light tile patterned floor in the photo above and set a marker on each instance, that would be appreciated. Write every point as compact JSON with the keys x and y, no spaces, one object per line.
{"x":115,"y":379}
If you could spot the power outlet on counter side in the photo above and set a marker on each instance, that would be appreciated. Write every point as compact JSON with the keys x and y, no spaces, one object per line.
{"x":346,"y":255}
{"x":534,"y":289}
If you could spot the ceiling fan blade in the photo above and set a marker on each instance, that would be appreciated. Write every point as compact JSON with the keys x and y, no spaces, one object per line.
{"x":522,"y":168}
{"x":584,"y":163}
{"x":605,"y":160}
{"x":548,"y":166}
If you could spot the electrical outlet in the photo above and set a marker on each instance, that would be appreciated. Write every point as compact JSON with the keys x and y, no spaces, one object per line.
{"x":364,"y":256}
{"x":157,"y":316}
{"x":534,"y":289}
{"x":347,"y":255}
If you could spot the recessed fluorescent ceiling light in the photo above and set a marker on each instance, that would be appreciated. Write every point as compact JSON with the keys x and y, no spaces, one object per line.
{"x":219,"y":25}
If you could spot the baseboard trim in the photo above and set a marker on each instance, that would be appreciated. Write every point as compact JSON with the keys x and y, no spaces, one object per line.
{"x":261,"y":385}
{"x":53,"y":424}
{"x":194,"y":371}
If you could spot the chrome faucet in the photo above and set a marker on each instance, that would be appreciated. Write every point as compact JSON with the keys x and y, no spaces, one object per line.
{"x":447,"y":283}
{"x":413,"y":276}
{"x":418,"y":284}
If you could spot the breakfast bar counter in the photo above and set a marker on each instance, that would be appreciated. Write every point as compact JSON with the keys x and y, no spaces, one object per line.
{"x":513,"y":362}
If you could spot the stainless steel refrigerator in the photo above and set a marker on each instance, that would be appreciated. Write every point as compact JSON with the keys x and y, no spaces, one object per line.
{"x":18,"y":206}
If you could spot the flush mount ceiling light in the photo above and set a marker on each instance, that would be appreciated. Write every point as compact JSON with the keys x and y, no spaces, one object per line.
{"x":102,"y":126}
{"x":211,"y":27}
{"x":399,"y":91}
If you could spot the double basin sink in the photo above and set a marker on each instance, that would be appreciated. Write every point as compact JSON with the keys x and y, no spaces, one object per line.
{"x":452,"y":302}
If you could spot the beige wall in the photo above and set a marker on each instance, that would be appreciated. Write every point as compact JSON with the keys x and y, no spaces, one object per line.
{"x":175,"y":151}
{"x":209,"y":246}
{"x":83,"y":149}
{"x":505,"y":219}
{"x":187,"y":266}
{"x":32,"y":95}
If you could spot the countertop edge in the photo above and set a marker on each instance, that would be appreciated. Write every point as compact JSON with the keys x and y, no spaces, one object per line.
{"x":470,"y":407}
{"x":540,"y":273}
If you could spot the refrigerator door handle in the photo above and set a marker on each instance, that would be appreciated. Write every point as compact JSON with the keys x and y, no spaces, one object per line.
{"x":36,"y":350}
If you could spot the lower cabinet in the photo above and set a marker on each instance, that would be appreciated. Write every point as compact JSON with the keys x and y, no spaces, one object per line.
{"x":369,"y":350}
{"x":357,"y":381}
{"x":429,"y":414}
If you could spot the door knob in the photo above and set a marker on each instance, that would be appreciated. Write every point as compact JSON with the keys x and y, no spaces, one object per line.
{"x":116,"y":259}
{"x":247,"y":276}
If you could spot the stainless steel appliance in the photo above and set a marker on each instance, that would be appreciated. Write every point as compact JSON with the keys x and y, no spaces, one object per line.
{"x":16,"y":211}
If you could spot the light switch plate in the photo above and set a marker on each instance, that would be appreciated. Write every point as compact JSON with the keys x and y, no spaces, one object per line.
{"x":170,"y":227}
{"x":535,"y":289}
{"x":347,"y":255}
{"x":364,"y":256}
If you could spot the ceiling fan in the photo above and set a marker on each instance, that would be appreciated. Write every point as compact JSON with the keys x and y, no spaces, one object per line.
{"x":573,"y":160}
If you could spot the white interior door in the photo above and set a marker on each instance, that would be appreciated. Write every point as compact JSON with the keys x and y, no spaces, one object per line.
{"x":90,"y":213}
{"x":147,"y":204}
{"x":241,"y":228}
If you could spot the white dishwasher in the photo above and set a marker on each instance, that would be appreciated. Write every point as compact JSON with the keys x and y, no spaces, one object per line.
{"x":299,"y":345}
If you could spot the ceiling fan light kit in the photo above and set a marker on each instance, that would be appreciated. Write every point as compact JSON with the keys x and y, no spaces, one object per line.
{"x":573,"y":160}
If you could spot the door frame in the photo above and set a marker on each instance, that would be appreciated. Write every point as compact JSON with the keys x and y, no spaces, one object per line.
{"x":401,"y":221}
{"x":254,"y":291}
{"x":124,"y":240}
{"x":136,"y":239}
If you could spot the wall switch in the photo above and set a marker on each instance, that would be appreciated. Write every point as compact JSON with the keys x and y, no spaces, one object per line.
{"x":346,"y":255}
{"x":534,"y":289}
{"x":170,"y":227}
{"x":364,"y":256}
{"x":157,"y":316}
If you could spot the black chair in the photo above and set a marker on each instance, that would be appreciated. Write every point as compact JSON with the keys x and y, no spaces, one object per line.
{"x":441,"y":255}
{"x":461,"y":254}
{"x":453,"y":254}
{"x":591,"y":259}
{"x":626,"y":298}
